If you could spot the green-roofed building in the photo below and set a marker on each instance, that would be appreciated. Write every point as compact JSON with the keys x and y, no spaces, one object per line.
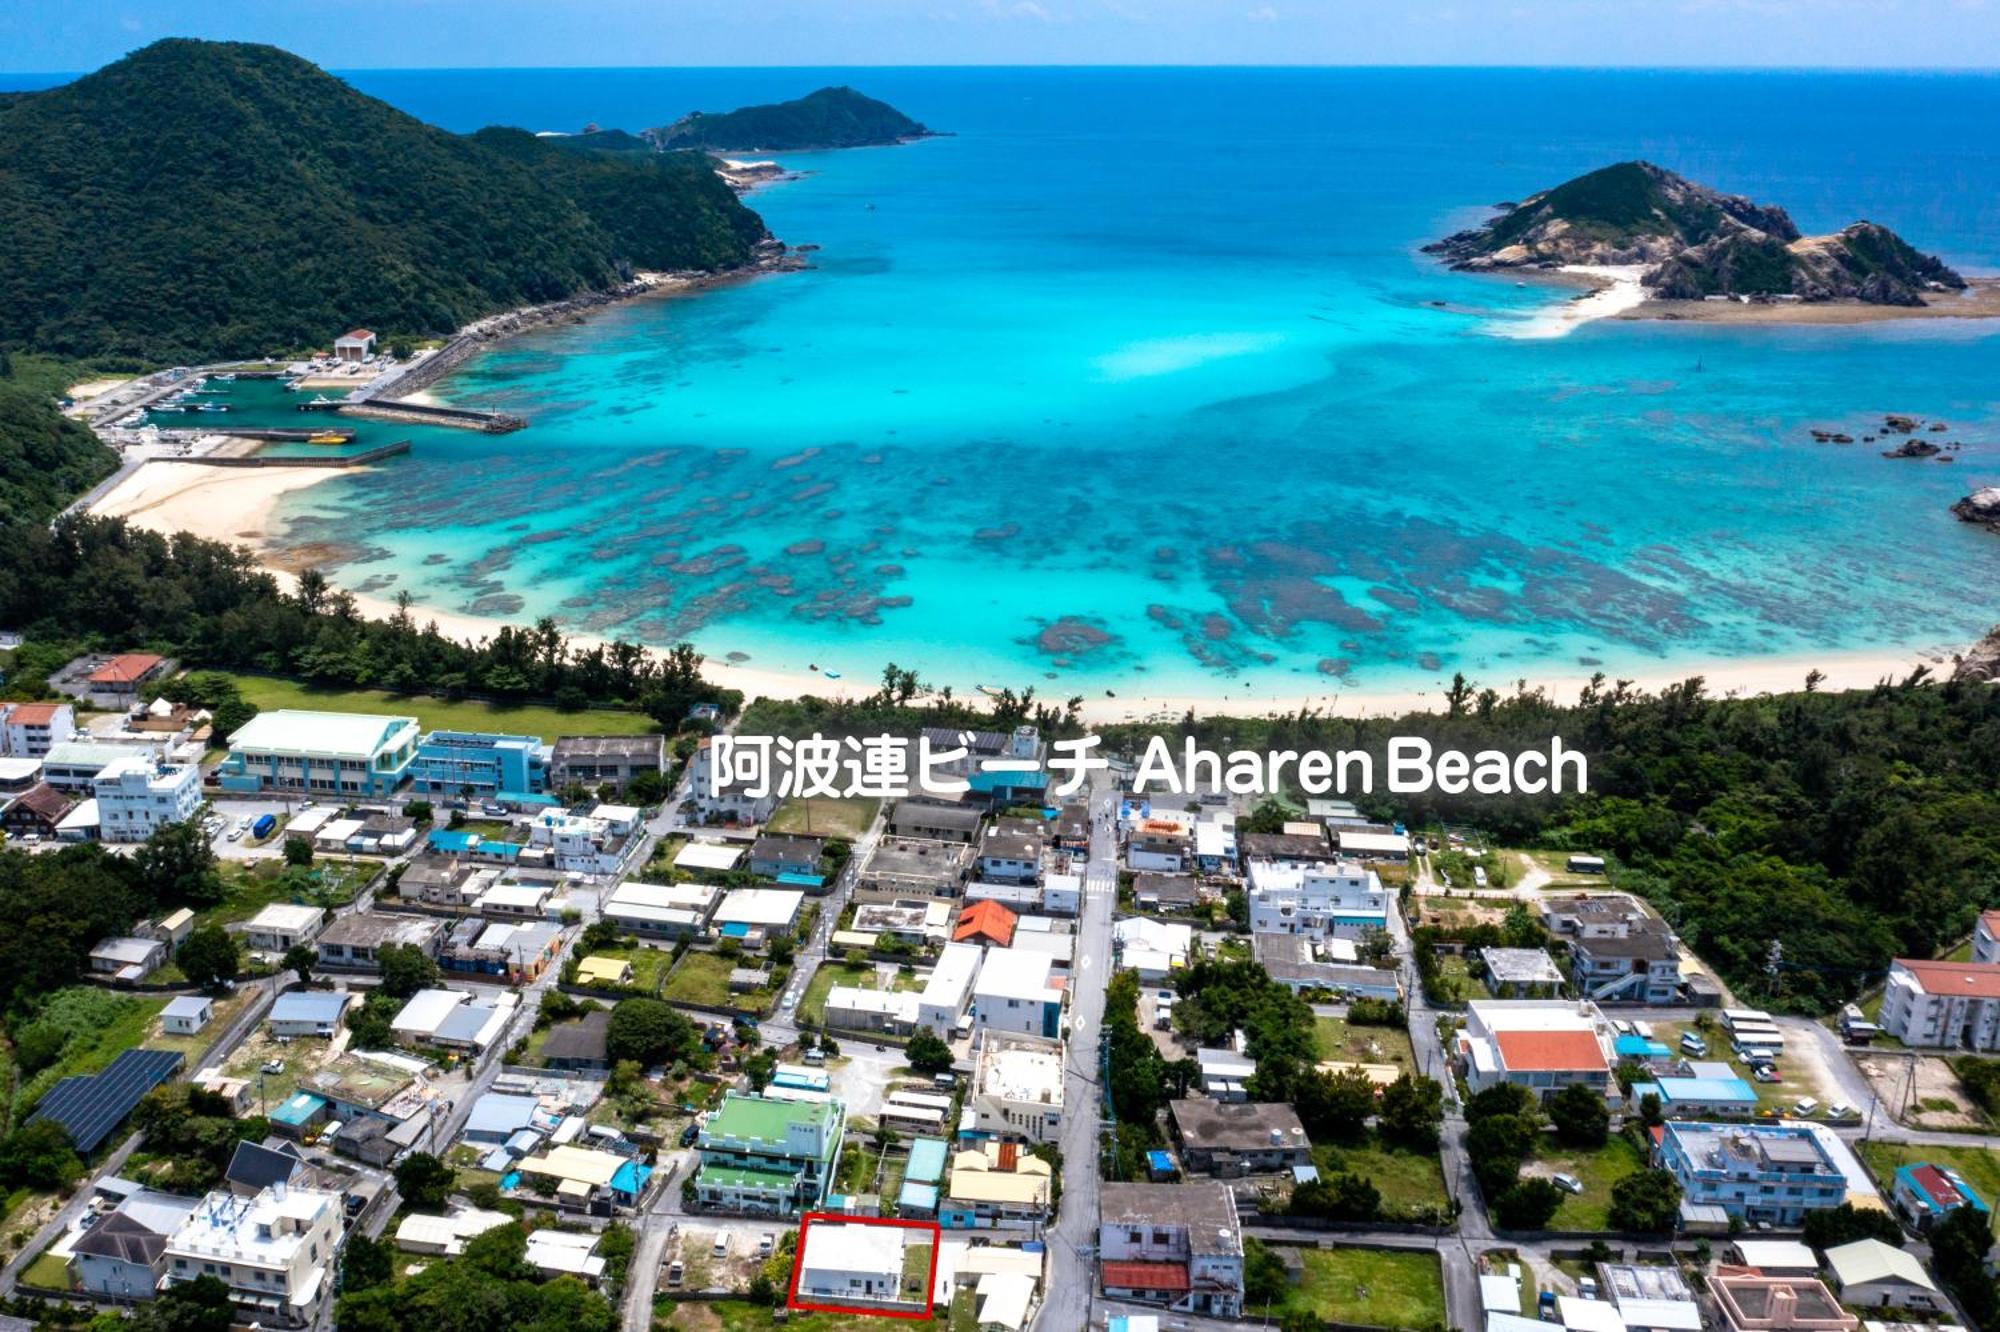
{"x":769,"y":1157}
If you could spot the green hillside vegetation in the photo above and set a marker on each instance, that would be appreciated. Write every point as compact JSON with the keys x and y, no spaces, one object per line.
{"x":205,"y":199}
{"x":1617,"y":202}
{"x":829,"y":118}
{"x":46,"y":459}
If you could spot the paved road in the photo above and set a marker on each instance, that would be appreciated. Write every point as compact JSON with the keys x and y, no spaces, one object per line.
{"x":1072,"y":1240}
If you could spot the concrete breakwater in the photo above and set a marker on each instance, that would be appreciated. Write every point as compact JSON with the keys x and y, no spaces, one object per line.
{"x":260,"y":459}
{"x":412,"y":413}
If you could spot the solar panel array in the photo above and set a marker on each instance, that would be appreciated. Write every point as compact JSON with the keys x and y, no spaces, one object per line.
{"x":90,"y":1106}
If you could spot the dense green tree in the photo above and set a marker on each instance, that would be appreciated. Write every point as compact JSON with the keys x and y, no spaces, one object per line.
{"x":298,"y":851}
{"x":1264,"y":1278}
{"x":1830,"y":1227}
{"x":406,"y":969}
{"x":1503,"y":1098}
{"x":177,"y":865}
{"x":1496,"y":1146}
{"x":927,"y":1053}
{"x":651,"y":1032}
{"x":1959,"y":1245}
{"x":1335,"y":1107}
{"x":365,"y":1262}
{"x":38,"y":1155}
{"x":209,"y":956}
{"x":1528,"y":1204}
{"x":1345,"y":1196}
{"x":301,"y":959}
{"x":200,"y":1305}
{"x":424,"y":1181}
{"x":1412,"y":1113}
{"x":1580,"y":1116}
{"x":1646,"y":1203}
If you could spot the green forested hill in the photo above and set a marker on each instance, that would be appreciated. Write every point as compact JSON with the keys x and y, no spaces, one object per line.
{"x":829,"y":118}
{"x":201,"y":199}
{"x":46,"y":459}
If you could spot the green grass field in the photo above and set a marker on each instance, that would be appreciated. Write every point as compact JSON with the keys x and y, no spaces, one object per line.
{"x":1407,"y":1180}
{"x":1367,"y":1286}
{"x":743,"y":1316}
{"x":1599,"y":1170}
{"x":703,"y":978}
{"x":1340,"y":1041}
{"x":269,"y":692}
{"x":844,"y":819}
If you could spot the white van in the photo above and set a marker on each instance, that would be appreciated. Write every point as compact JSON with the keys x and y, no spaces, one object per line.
{"x":1806,"y":1108}
{"x":1840,"y":1110}
{"x":814,"y":1056}
{"x":721,"y":1249}
{"x":1693,"y":1044}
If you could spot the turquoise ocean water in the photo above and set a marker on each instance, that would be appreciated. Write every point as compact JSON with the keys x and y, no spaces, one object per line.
{"x":1139,"y":382}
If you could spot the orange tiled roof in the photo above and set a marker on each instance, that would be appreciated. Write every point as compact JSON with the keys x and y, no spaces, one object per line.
{"x":126,"y":668}
{"x":985,"y":920}
{"x":1549,"y":1051}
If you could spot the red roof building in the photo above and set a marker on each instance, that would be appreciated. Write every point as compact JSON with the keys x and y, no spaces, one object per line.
{"x":1550,"y":1051}
{"x":124,"y":673}
{"x":985,"y":922}
{"x":1168,"y":1277}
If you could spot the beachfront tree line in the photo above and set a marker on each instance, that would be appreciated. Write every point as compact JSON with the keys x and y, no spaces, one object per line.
{"x":89,"y":580}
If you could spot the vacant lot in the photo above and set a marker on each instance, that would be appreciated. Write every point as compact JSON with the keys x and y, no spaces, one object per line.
{"x":703,"y":978}
{"x":844,"y":819}
{"x":1340,"y":1040}
{"x":1599,"y":1170}
{"x":437,"y":714}
{"x":1408,"y":1181}
{"x":1370,"y":1286}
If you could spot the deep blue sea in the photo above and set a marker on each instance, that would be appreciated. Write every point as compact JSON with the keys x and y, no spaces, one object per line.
{"x":1141,"y":371}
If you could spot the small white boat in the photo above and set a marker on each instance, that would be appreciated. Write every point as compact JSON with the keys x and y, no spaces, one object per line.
{"x":831,"y":675}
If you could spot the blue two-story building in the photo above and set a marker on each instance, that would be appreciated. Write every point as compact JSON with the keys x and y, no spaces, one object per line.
{"x":1760,"y":1173}
{"x":481,"y":766}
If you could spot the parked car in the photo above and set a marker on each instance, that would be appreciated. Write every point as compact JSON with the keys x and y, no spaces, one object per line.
{"x":676,"y":1270}
{"x":1569,"y":1183}
{"x":766,"y":1244}
{"x":689,"y":1134}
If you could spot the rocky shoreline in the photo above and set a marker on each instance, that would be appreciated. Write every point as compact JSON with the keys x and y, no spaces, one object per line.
{"x":1981,"y":507}
{"x":772,"y":257}
{"x":1980,"y":663}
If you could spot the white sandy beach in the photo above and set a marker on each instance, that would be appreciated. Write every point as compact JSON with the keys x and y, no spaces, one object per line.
{"x":237,"y":505}
{"x":1617,"y":290}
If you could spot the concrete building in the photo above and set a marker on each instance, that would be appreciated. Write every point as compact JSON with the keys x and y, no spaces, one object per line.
{"x":774,"y":854}
{"x":511,"y":952}
{"x":128,"y":959}
{"x":1943,"y":1005}
{"x":730,"y":801}
{"x":1760,"y":1173}
{"x":186,"y":1015}
{"x":852,"y":1008}
{"x":31,"y":730}
{"x":73,"y":766}
{"x":1986,"y":938}
{"x":1618,"y":952}
{"x":123,"y":676}
{"x":1713,"y":1092}
{"x":913,"y":870}
{"x":480,"y":765}
{"x":1230,"y":1140}
{"x":337,"y":753}
{"x":355,"y":942}
{"x":1319,"y":899}
{"x":275,"y":1252}
{"x":852,"y":1264}
{"x":948,"y":991}
{"x":1015,"y":992}
{"x":925,"y":820}
{"x":1753,"y":1301}
{"x":1010,"y":853}
{"x":1017,"y":1089}
{"x":309,"y":1012}
{"x":1521,"y":973}
{"x":751,"y":916}
{"x":1176,"y":1245}
{"x":768,"y":1156}
{"x":1541,"y":1044}
{"x":1303,"y":963}
{"x":661,"y":911}
{"x":354,"y":346}
{"x":278,"y":926}
{"x":996,"y":1186}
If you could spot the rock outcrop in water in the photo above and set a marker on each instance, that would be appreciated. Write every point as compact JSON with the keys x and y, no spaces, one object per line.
{"x":1981,"y":507}
{"x":1696,"y":242}
{"x":829,"y":118}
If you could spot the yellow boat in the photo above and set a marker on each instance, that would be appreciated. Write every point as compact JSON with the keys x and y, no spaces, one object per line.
{"x":326,"y":437}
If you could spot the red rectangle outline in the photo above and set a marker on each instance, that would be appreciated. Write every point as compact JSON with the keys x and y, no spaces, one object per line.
{"x":926,"y":1314}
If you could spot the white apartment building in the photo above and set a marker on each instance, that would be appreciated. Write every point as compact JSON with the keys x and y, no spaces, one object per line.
{"x":137,"y":795}
{"x":1541,"y":1044}
{"x":1324,"y":899}
{"x":1943,"y":1004}
{"x":1017,"y":1089}
{"x":1015,"y":993}
{"x":31,"y":730}
{"x":274,"y":1251}
{"x":948,"y":992}
{"x":711,"y":797}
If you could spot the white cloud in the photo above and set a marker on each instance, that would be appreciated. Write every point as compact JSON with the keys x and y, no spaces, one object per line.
{"x":1262,"y":14}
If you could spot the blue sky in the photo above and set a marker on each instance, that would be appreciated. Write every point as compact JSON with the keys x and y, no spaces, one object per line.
{"x":62,"y":35}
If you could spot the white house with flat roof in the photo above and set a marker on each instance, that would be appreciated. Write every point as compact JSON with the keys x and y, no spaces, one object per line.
{"x":280,"y":925}
{"x":1016,"y":992}
{"x":138,"y":795}
{"x":948,"y":992}
{"x":661,"y":910}
{"x":747,"y":913}
{"x":1017,"y":1089}
{"x":1318,"y":899}
{"x":339,"y":753}
{"x":852,"y":1263}
{"x":275,"y":1251}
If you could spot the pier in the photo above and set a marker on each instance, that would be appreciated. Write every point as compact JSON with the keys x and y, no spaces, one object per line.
{"x":263,"y":433}
{"x":362,"y":459}
{"x":411,"y":413}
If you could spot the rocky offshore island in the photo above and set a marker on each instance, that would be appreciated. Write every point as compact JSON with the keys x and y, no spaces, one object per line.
{"x":828,"y":118}
{"x":1697,"y":243}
